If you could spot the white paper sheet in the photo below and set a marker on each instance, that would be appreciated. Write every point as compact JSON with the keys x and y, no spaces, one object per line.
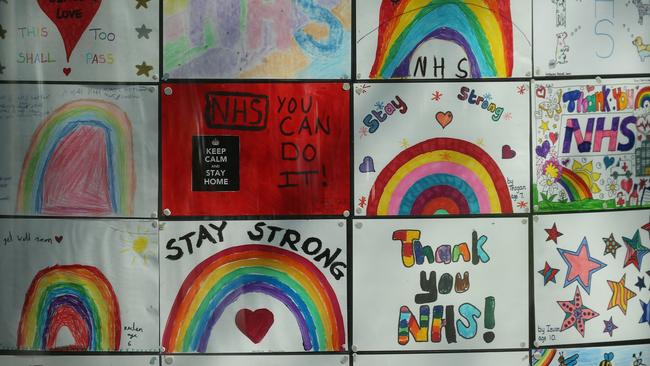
{"x":70,"y":150}
{"x":261,"y":360}
{"x":488,"y":300}
{"x":598,"y":356}
{"x":591,"y":277}
{"x":591,"y":144}
{"x":443,"y":39}
{"x":253,"y":286}
{"x":79,"y":360}
{"x":423,"y":149}
{"x":84,"y":40}
{"x":591,"y":37}
{"x":467,"y":359}
{"x":79,"y":285}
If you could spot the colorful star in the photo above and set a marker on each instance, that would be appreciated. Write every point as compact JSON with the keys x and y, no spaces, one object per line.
{"x":142,"y":4}
{"x":635,"y":251}
{"x":436,"y":96}
{"x":143,"y":69}
{"x":611,"y":245}
{"x":445,"y":156}
{"x":581,"y":265}
{"x":544,"y":126}
{"x":646,"y":227}
{"x":553,"y":233}
{"x":404,"y":143}
{"x":487,"y":96}
{"x":609,"y":326}
{"x":548,"y":273}
{"x":645,"y":318}
{"x":522,"y":204}
{"x":576,"y":314}
{"x":620,"y":295}
{"x":640,"y":283}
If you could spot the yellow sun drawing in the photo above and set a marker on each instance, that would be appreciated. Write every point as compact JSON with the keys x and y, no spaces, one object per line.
{"x":139,"y":244}
{"x":586,"y":172}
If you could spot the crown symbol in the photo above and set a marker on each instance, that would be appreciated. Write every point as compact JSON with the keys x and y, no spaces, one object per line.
{"x":215,"y":142}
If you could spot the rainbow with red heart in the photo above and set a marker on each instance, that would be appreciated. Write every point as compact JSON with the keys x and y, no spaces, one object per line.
{"x":217,"y":282}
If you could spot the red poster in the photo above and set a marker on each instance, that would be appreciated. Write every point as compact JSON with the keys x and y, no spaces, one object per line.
{"x":255,"y":149}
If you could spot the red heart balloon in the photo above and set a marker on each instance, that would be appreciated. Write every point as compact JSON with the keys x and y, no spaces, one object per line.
{"x":71,"y":18}
{"x":254,"y":324}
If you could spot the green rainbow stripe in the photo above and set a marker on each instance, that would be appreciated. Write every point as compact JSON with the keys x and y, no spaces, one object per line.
{"x":576,"y":188}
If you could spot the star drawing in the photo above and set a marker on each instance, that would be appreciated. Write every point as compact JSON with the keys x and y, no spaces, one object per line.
{"x":143,"y":69}
{"x":609,"y":326}
{"x":553,"y":233}
{"x":548,"y":273}
{"x":143,"y":31}
{"x":640,"y":283}
{"x":142,"y":4}
{"x":576,"y":313}
{"x":635,"y":251}
{"x":620,"y":295}
{"x":580,"y":265}
{"x":645,"y":306}
{"x":611,"y":245}
{"x":436,"y":96}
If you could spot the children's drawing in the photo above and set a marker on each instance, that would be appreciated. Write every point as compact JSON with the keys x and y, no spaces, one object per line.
{"x":257,"y":39}
{"x":60,"y":360}
{"x":258,"y":286}
{"x":443,"y":39}
{"x":77,"y":297}
{"x":440,"y":284}
{"x":425,"y":149}
{"x":81,"y":40}
{"x":69,"y":288}
{"x":78,"y":151}
{"x":631,"y":355}
{"x":80,"y":161}
{"x":595,"y":295}
{"x":261,"y":360}
{"x":591,"y":144}
{"x":591,"y":37}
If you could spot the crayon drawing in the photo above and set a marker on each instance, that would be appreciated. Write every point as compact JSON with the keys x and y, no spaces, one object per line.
{"x":257,"y":39}
{"x":631,"y":355}
{"x":443,"y":39}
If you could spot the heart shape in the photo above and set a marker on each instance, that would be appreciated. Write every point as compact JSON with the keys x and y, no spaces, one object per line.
{"x":626,"y":184}
{"x":71,"y":19}
{"x":553,"y":137}
{"x":367,"y":165}
{"x":543,"y":149}
{"x":66,"y":71}
{"x":590,"y":88}
{"x":444,"y":118}
{"x":507,"y":152}
{"x":609,"y":161}
{"x":58,"y":238}
{"x":254,"y":324}
{"x":540,"y":91}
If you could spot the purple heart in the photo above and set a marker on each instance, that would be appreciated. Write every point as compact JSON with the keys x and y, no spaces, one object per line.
{"x":543,"y":149}
{"x":367,"y":165}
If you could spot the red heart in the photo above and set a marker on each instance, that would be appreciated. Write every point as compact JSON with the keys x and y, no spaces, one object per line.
{"x":66,"y":71}
{"x":553,"y":137}
{"x":254,"y":324}
{"x":58,"y":238}
{"x":71,"y":19}
{"x":444,"y":118}
{"x":540,"y":91}
{"x":507,"y":152}
{"x":626,"y":184}
{"x":590,"y":88}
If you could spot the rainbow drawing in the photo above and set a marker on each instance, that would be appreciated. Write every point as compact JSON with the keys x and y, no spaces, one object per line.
{"x":642,"y":98}
{"x":482,"y":28}
{"x":546,"y":357}
{"x":575,"y":187}
{"x":79,"y":162}
{"x":74,"y":296}
{"x":220,"y":280}
{"x":440,"y":176}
